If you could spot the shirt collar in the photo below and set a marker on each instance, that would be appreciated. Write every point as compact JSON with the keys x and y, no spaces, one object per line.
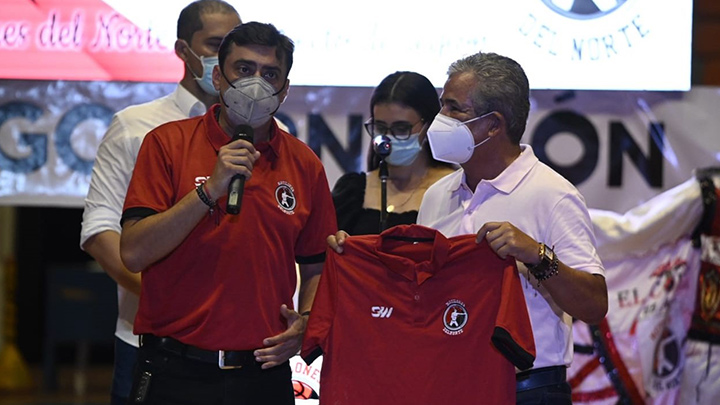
{"x":393,"y":242}
{"x":271,"y":149}
{"x":508,"y":179}
{"x":216,"y":135}
{"x":188,"y":103}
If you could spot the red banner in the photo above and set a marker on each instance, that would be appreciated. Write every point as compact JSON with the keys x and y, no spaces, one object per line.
{"x":80,"y":40}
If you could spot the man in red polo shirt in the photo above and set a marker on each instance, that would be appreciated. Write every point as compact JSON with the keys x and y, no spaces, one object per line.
{"x":214,"y":315}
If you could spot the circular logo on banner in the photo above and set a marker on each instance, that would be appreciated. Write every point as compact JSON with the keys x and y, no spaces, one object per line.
{"x":584,"y":9}
{"x":585,"y":31}
{"x":455,"y":317}
{"x":285,"y":197}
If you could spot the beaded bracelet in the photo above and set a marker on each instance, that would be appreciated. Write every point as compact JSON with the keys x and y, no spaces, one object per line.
{"x":548,"y":265}
{"x":552,"y":270}
{"x":204,"y":196}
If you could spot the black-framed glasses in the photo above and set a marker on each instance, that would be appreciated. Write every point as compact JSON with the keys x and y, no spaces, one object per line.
{"x":400,"y":130}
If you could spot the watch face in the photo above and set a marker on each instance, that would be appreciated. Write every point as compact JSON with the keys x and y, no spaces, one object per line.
{"x":547,"y":254}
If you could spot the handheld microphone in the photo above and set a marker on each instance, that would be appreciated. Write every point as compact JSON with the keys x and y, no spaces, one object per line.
{"x":382,"y":146}
{"x":237,"y":183}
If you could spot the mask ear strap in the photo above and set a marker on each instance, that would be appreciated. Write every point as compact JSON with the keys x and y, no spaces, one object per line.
{"x":477,"y":118}
{"x":482,"y":142}
{"x":192,"y":72}
{"x":193,"y":53}
{"x":195,"y":76}
{"x":423,"y":130}
{"x":281,"y":89}
{"x":278,"y":92}
{"x":226,"y":79}
{"x":273,"y":113}
{"x":220,"y":95}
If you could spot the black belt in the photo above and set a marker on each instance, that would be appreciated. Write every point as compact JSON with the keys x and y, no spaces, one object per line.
{"x":225,"y":359}
{"x":540,"y":377}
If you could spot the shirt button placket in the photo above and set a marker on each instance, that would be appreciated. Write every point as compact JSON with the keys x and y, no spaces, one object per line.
{"x":419,"y":313}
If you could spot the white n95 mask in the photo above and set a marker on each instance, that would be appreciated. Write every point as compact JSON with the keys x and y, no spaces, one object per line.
{"x":451,"y":141}
{"x":251,"y":100}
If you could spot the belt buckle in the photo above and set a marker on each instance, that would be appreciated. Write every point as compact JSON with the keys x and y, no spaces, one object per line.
{"x":221,"y":362}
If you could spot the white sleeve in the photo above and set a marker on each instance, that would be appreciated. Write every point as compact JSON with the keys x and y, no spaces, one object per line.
{"x":111,"y":175}
{"x":570,"y":231}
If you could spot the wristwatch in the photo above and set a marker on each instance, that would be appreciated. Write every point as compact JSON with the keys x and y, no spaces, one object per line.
{"x":548,"y":265}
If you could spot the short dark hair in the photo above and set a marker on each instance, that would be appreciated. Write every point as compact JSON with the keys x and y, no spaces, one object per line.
{"x":409,"y":89}
{"x":255,"y":33}
{"x":190,"y":22}
{"x":502,"y":86}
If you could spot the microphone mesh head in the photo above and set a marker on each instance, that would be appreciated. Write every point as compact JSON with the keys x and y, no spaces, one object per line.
{"x":244,"y":131}
{"x":382,"y":146}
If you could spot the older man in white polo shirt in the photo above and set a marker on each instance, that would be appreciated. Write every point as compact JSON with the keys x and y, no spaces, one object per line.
{"x":521,"y":206}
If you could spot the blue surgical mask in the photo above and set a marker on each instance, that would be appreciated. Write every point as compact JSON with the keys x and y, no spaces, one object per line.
{"x":405,"y":151}
{"x":205,"y":81}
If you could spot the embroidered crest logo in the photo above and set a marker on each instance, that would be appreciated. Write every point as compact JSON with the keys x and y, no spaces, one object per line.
{"x":455,"y":317}
{"x":285,"y":197}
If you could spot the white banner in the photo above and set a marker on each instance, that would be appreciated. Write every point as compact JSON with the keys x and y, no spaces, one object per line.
{"x":619,"y":148}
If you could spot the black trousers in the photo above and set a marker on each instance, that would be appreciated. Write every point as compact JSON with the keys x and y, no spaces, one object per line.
{"x":163,"y":378}
{"x":543,"y":386}
{"x":559,"y":394}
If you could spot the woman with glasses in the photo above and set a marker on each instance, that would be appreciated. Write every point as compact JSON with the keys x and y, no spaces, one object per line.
{"x":401,"y":108}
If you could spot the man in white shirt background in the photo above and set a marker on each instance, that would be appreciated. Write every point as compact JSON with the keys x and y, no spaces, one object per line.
{"x":200,"y":29}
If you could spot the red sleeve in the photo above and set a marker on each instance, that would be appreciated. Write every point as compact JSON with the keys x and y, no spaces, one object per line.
{"x":151,"y":184}
{"x":513,"y":335}
{"x":323,"y":310}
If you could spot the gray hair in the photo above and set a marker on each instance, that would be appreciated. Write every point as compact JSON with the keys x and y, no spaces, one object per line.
{"x":502,"y":87}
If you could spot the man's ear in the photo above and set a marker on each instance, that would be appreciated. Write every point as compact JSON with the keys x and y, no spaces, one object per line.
{"x":181,"y":47}
{"x":496,"y":124}
{"x":216,"y":77}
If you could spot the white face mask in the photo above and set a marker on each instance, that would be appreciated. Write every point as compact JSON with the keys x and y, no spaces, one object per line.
{"x":205,"y":81}
{"x":451,"y":141}
{"x":250,"y":100}
{"x":405,"y":151}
